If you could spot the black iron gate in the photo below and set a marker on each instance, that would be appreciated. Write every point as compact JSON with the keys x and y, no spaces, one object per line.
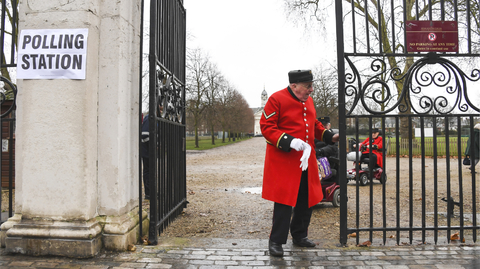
{"x":425,"y":105}
{"x":8,"y":93}
{"x":167,"y":52}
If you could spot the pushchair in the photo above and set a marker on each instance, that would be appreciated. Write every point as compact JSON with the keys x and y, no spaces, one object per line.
{"x":363,"y":167}
{"x":330,"y":185}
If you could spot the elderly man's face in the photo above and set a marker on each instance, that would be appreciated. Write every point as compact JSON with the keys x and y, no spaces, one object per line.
{"x":302,"y":90}
{"x":375,"y":135}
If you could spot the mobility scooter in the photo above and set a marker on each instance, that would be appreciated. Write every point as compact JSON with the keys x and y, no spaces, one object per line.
{"x":330,"y":184}
{"x":363,"y":167}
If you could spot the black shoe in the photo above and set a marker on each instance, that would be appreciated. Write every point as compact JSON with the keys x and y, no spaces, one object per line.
{"x":275,"y":249}
{"x":304,"y":242}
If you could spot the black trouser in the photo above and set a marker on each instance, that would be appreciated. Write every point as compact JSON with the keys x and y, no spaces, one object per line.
{"x":373,"y":159}
{"x":300,"y":220}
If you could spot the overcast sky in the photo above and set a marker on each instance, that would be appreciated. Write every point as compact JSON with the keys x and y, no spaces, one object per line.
{"x":253,"y":44}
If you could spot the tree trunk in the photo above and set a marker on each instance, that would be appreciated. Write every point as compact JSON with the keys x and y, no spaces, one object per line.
{"x":213,"y":137}
{"x":196,"y":137}
{"x":404,"y":121}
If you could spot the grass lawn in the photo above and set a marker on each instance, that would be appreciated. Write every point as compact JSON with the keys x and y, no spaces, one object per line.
{"x":205,"y":142}
{"x":440,"y":146}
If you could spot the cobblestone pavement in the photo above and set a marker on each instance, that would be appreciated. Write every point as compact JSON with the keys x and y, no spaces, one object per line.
{"x":252,"y":253}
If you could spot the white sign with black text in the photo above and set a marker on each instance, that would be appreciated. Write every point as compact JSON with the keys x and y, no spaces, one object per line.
{"x":52,"y":54}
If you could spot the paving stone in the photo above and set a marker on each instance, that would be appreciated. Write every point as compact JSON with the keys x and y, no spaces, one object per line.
{"x":225,"y":263}
{"x":200,"y":262}
{"x":339,"y":258}
{"x":150,"y":260}
{"x":175,"y":261}
{"x":253,"y":263}
{"x":351,"y":263}
{"x":450,"y":267}
{"x":43,"y":264}
{"x":218,"y":258}
{"x":202,"y":252}
{"x":325,"y":263}
{"x":94,"y":267}
{"x":182,"y":252}
{"x":372,"y":253}
{"x":402,"y":257}
{"x":151,"y":250}
{"x":243,"y":258}
{"x":71,"y":266}
{"x":19,"y":264}
{"x":159,"y":265}
{"x":134,"y":265}
{"x":252,"y":253}
{"x":414,"y":257}
{"x":229,"y":253}
{"x":194,"y":257}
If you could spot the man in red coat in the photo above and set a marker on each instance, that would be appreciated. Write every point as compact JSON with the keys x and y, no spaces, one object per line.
{"x":376,"y":156}
{"x":289,"y":122}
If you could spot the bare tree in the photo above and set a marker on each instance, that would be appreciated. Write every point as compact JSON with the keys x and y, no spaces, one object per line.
{"x":196,"y":87}
{"x":215,"y":80}
{"x":325,"y":96}
{"x":241,"y":116}
{"x":378,"y":22}
{"x":234,"y":114}
{"x":225,"y":101}
{"x":211,"y":100}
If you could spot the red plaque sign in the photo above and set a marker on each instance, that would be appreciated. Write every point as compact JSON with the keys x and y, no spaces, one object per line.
{"x":426,"y":36}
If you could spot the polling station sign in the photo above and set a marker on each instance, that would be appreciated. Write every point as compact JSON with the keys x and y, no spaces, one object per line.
{"x":52,"y":54}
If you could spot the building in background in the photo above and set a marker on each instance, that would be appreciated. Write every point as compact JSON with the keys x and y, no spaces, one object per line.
{"x":257,"y":113}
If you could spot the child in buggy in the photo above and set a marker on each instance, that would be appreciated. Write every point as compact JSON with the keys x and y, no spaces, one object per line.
{"x":330,"y":186}
{"x":372,"y":161}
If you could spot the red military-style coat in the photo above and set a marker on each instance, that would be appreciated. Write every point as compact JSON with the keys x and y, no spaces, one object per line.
{"x":284,"y":118}
{"x":378,"y":152}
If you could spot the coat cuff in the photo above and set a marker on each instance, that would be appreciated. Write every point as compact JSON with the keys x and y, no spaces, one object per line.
{"x":327,"y":137}
{"x":284,"y":141}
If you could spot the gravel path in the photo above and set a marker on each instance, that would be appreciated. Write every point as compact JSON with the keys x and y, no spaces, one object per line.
{"x":224,"y":195}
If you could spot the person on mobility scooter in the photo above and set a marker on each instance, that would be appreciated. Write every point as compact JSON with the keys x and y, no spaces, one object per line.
{"x":330,"y":184}
{"x":370,"y":160}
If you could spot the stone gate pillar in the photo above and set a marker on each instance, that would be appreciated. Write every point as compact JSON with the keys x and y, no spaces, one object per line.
{"x":77,"y":140}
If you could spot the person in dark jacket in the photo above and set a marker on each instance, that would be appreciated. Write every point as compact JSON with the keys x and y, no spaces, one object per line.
{"x":323,"y":149}
{"x":329,"y":151}
{"x":475,"y":143}
{"x":145,"y":156}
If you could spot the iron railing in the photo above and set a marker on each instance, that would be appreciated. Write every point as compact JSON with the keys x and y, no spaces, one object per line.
{"x":8,"y":93}
{"x":167,"y":52}
{"x":379,"y":82}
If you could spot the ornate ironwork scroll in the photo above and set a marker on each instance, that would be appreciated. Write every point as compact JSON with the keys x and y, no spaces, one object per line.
{"x":432,"y":84}
{"x":7,"y":94}
{"x":170,"y":98}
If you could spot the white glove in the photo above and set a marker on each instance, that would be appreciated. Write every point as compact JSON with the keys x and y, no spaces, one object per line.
{"x":298,"y":144}
{"x":305,"y":157}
